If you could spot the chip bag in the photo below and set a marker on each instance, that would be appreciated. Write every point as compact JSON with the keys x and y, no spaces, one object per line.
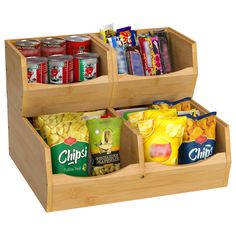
{"x":67,"y":136}
{"x":135,"y":117}
{"x":180,"y":105}
{"x":199,"y":138}
{"x":105,"y":144}
{"x":162,"y":138}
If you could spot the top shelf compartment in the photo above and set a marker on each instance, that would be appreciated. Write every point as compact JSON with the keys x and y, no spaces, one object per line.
{"x":110,"y":89}
{"x":33,"y":99}
{"x":131,"y":90}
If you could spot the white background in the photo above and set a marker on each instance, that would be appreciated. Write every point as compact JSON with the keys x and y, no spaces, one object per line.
{"x":212,"y":25}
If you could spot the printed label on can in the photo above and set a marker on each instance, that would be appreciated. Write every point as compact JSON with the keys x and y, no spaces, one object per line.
{"x":85,"y":69}
{"x":37,"y":73}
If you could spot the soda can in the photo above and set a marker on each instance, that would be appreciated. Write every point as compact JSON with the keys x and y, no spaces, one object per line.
{"x":77,"y":44}
{"x":52,"y":46}
{"x":29,"y":48}
{"x":85,"y":66}
{"x":37,"y":70}
{"x":60,"y":69}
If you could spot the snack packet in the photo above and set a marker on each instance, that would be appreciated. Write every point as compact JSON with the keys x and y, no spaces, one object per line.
{"x":199,"y":138}
{"x":135,"y":117}
{"x":164,"y":50}
{"x":53,"y":119}
{"x":67,"y":136}
{"x":134,"y":59}
{"x":162,"y":138}
{"x":150,"y":55}
{"x":180,"y":105}
{"x":105,"y":144}
{"x":106,"y":32}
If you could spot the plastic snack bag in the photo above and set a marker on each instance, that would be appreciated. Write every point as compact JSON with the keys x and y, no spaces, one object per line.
{"x":105,"y":144}
{"x":135,"y":117}
{"x":162,"y":138}
{"x":67,"y":136}
{"x":199,"y":138}
{"x":106,"y":32}
{"x":180,"y":105}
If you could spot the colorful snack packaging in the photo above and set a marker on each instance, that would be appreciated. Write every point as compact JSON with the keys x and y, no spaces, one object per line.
{"x":67,"y":136}
{"x":121,"y":61}
{"x":164,"y":51}
{"x":180,"y":105}
{"x":105,"y":144}
{"x":125,"y":112}
{"x":134,"y":59}
{"x":162,"y":138}
{"x":150,"y":55}
{"x":93,"y":114}
{"x":199,"y":138}
{"x":125,"y":37}
{"x":106,"y":32}
{"x":193,"y":112}
{"x":135,"y":117}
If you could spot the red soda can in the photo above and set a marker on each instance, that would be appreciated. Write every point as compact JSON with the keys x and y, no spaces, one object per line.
{"x":77,"y":44}
{"x":60,"y":69}
{"x":52,"y":46}
{"x":85,"y":66}
{"x":29,"y":48}
{"x":37,"y":70}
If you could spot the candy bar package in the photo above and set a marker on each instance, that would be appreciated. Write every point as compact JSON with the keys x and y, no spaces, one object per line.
{"x":134,"y":60}
{"x":145,"y":53}
{"x":164,"y":51}
{"x":180,"y":105}
{"x":106,"y":32}
{"x":121,"y":61}
{"x":150,"y":55}
{"x":199,"y":138}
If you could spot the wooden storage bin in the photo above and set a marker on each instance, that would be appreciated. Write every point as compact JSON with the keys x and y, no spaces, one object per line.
{"x":137,"y":179}
{"x":35,"y":99}
{"x":159,"y":179}
{"x":139,"y":90}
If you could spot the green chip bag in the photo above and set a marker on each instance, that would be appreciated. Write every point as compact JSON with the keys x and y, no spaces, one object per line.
{"x":104,"y":142}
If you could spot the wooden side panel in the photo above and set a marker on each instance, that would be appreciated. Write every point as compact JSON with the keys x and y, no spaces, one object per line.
{"x":31,"y":156}
{"x":182,"y":52}
{"x":15,"y":71}
{"x":131,"y":147}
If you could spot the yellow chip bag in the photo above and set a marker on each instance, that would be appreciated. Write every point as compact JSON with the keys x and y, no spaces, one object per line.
{"x":67,"y":136}
{"x":162,"y":138}
{"x":135,"y":117}
{"x":199,"y":138}
{"x":180,"y":105}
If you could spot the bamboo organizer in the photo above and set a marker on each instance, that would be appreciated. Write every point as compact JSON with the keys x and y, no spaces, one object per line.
{"x":136,"y":179}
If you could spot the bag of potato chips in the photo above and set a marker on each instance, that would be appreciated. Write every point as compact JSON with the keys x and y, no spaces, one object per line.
{"x":162,"y":138}
{"x":180,"y":105}
{"x":104,"y":142}
{"x":199,"y":138}
{"x":67,"y":136}
{"x":135,"y":117}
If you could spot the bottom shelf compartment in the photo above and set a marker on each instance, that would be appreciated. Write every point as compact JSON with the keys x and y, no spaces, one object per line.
{"x":136,"y":179}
